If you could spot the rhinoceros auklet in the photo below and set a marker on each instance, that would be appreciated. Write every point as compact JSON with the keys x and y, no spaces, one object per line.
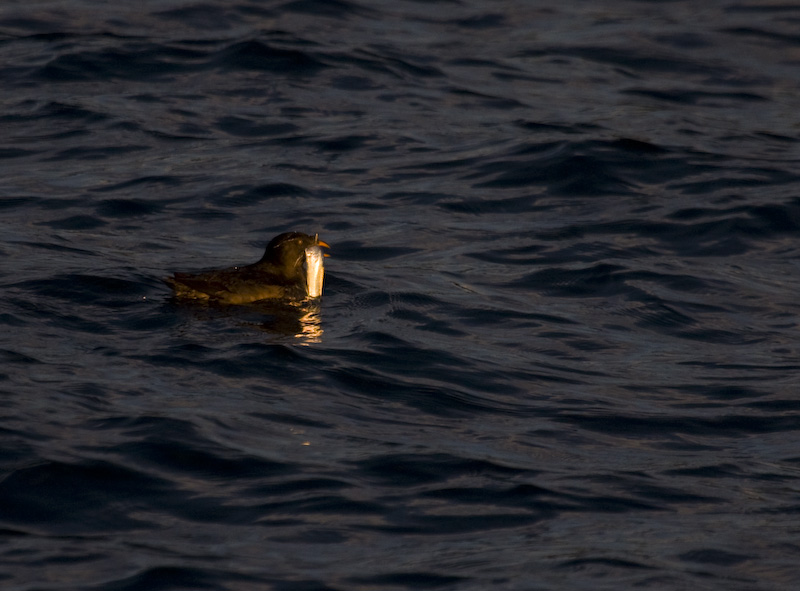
{"x":291,"y":270}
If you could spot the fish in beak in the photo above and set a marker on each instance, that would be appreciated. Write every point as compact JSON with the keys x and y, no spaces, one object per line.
{"x":315,"y":269}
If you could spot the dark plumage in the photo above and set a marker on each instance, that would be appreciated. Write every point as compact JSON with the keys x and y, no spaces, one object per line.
{"x":280,"y":275}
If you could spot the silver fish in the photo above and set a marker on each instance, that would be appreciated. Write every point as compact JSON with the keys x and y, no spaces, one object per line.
{"x":315,"y":271}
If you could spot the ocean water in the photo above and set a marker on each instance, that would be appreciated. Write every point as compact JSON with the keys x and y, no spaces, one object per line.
{"x":558,"y":347}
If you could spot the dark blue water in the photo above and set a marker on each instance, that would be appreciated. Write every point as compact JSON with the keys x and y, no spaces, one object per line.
{"x":558,"y":346}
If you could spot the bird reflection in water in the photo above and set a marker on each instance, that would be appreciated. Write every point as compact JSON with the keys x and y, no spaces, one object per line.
{"x":303,"y":322}
{"x":300,"y":321}
{"x":311,"y":323}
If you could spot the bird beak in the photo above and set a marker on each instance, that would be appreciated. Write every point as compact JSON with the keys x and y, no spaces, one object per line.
{"x":321,"y":243}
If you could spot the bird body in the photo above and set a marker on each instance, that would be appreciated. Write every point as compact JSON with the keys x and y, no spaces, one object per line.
{"x":290,"y":270}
